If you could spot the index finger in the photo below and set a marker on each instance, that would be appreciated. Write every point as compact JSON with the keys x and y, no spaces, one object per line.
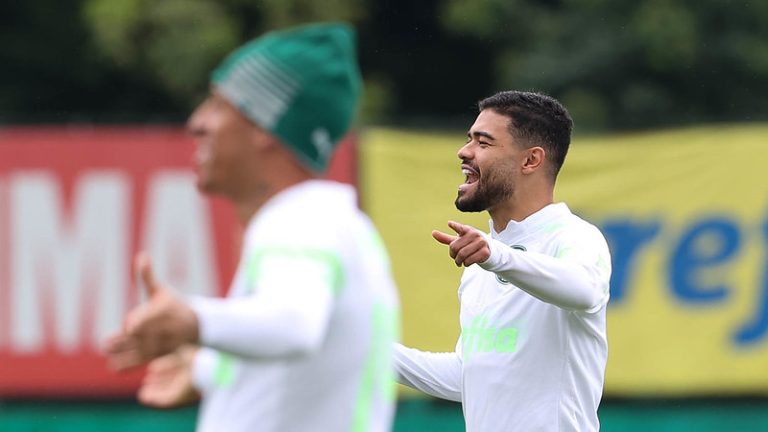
{"x":442,"y":237}
{"x":118,"y":343}
{"x":122,"y":353}
{"x":460,"y":229}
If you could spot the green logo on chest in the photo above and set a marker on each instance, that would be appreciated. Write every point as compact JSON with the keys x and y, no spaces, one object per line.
{"x":480,"y":337}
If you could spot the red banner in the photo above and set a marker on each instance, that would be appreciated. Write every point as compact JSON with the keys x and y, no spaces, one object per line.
{"x":75,"y":206}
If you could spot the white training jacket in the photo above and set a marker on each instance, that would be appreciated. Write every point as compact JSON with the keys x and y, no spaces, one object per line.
{"x":303,"y":342}
{"x":533,"y":349}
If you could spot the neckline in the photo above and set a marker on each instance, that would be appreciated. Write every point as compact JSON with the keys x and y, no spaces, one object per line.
{"x":516,"y":230}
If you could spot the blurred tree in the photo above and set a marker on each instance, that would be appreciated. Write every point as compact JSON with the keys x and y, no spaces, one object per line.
{"x":615,"y":63}
{"x":284,"y":13}
{"x":628,"y":64}
{"x":143,"y":60}
{"x":49,"y":71}
{"x":178,"y":42}
{"x":429,"y":75}
{"x":174,"y":42}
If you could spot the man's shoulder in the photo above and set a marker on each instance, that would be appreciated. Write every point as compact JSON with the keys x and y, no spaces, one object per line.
{"x":576,"y":223}
{"x":573,"y":230}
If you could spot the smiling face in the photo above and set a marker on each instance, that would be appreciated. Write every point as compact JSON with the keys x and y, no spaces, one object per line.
{"x":490,"y":161}
{"x":225,"y":152}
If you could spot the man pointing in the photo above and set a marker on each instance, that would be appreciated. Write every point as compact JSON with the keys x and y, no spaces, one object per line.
{"x":533,"y":347}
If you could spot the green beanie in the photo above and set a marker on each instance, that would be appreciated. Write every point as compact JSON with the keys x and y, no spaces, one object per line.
{"x":302,"y":85}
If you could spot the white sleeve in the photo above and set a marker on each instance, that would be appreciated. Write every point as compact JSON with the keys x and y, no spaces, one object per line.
{"x":437,"y":374}
{"x":288,"y":314}
{"x":204,"y":368}
{"x":576,"y":282}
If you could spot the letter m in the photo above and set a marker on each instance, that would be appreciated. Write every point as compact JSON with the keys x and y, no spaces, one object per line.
{"x":68,"y":268}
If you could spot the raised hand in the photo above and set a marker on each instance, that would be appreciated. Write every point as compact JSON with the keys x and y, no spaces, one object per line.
{"x":469,"y":245}
{"x":168,"y":381}
{"x":153,"y":329}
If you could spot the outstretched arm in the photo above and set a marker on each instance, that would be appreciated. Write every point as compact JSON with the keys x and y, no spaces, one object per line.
{"x":287,"y":316}
{"x":288,"y":311}
{"x":567,"y":283}
{"x":437,"y":374}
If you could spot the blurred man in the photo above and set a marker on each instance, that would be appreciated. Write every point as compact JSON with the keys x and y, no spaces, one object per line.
{"x":533,"y":348}
{"x":303,"y":341}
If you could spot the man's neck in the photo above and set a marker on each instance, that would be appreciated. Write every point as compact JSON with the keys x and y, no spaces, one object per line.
{"x":518,"y":210}
{"x":248,"y":205}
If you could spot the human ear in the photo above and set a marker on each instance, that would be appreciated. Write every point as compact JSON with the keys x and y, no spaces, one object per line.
{"x":262,"y":139}
{"x":534,"y":159}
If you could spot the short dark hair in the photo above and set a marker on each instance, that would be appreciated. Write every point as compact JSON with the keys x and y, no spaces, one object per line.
{"x":535,"y":119}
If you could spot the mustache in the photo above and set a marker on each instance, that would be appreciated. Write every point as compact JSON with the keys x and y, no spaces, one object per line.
{"x":471,"y":165}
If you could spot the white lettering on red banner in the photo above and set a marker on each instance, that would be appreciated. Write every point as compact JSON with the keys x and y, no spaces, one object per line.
{"x":76,"y":204}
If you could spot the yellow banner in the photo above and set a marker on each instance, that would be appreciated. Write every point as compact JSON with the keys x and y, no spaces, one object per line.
{"x":686,"y":216}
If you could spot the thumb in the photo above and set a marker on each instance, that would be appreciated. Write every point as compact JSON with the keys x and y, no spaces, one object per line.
{"x":145,"y":275}
{"x":442,"y":237}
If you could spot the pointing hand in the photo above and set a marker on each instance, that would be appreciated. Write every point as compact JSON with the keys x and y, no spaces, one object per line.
{"x":469,"y":246}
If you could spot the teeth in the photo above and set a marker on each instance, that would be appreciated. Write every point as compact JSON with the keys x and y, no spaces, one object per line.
{"x":469,"y":175}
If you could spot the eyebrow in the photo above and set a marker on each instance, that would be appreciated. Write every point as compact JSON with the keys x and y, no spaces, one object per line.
{"x":480,"y":134}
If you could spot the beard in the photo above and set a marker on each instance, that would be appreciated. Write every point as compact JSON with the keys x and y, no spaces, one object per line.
{"x":488,"y":192}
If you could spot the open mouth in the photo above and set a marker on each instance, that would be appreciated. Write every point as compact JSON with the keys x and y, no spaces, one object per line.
{"x":471,"y":176}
